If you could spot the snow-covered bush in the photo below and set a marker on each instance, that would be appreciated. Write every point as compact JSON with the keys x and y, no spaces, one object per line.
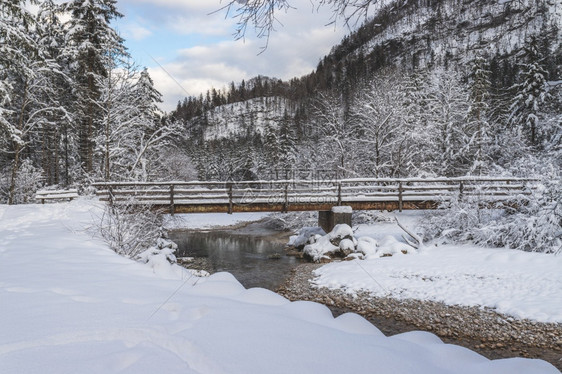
{"x":532,"y":223}
{"x":535,"y":226}
{"x":163,"y":249}
{"x":129,"y":228}
{"x":292,"y":220}
{"x":28,"y":180}
{"x":160,"y":257}
{"x":457,"y":219}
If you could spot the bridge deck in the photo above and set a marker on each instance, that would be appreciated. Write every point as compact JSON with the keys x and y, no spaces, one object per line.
{"x":292,"y":195}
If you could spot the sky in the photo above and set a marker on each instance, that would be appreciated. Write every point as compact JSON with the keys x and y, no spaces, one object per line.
{"x":189,"y":46}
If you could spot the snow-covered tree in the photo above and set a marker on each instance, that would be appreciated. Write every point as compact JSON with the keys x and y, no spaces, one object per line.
{"x":134,"y":135}
{"x":336,"y":131}
{"x":271,"y":147}
{"x":16,"y":46}
{"x":56,"y":144}
{"x":479,"y":127}
{"x":531,"y":95}
{"x":37,"y":109}
{"x":447,"y":102}
{"x":377,"y":115}
{"x":418,"y":136}
{"x":92,"y":43}
{"x":32,"y":85}
{"x":287,"y":145}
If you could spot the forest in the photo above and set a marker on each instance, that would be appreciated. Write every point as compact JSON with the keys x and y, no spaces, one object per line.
{"x":393,"y":99}
{"x":73,"y":105}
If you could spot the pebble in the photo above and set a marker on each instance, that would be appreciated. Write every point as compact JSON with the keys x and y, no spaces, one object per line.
{"x":485,"y":328}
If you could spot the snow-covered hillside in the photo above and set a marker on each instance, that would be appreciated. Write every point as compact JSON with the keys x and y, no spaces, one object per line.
{"x":419,"y":34}
{"x":247,"y":117}
{"x":69,"y":304}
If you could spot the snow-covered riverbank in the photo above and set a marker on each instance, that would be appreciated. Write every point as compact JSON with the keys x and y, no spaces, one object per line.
{"x":520,"y":284}
{"x":69,"y":304}
{"x":481,"y":329}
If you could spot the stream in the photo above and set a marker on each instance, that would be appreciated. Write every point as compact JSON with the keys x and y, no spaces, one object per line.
{"x":246,"y":253}
{"x":255,"y":256}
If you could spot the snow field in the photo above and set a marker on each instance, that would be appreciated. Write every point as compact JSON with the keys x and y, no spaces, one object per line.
{"x":519,"y":284}
{"x":69,"y":304}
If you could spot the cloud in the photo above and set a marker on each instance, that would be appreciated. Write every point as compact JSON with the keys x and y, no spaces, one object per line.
{"x":135,"y":31}
{"x":203,"y":53}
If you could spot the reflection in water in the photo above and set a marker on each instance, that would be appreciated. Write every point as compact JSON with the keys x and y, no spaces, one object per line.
{"x":246,"y":257}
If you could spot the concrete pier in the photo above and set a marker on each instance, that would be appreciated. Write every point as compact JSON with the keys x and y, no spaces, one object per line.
{"x":327,"y":219}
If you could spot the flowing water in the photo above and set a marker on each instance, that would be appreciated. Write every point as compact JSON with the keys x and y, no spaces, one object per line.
{"x":246,"y":254}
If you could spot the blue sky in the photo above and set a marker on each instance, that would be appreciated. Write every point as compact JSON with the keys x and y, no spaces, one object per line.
{"x":197,"y":49}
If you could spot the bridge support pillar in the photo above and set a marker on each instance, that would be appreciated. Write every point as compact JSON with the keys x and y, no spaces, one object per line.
{"x":327,"y":219}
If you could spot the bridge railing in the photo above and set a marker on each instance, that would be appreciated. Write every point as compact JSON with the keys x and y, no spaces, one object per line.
{"x":283,"y":194}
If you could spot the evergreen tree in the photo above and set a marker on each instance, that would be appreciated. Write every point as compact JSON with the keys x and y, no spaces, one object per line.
{"x":530,"y":96}
{"x":479,"y":85}
{"x":287,"y":146}
{"x":92,"y":44}
{"x":271,"y":148}
{"x":58,"y":148}
{"x":30,"y":90}
{"x":415,"y":144}
{"x":16,"y":46}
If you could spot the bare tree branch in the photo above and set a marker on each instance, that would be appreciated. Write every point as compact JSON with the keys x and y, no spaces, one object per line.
{"x":261,"y":15}
{"x":417,"y":243}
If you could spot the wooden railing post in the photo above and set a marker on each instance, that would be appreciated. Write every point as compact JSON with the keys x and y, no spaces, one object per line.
{"x":339,"y":193}
{"x":172,"y":207}
{"x":400,"y":190}
{"x":461,"y":190}
{"x":230,"y":202}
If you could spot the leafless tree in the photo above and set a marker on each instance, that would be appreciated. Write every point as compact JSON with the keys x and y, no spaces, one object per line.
{"x":337,"y":132}
{"x":128,"y":228}
{"x":379,"y":123}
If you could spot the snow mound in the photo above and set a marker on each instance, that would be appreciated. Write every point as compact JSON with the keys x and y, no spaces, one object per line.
{"x":368,"y":247}
{"x":161,"y":259}
{"x":341,"y":231}
{"x":70,"y":304}
{"x":342,"y":242}
{"x":321,"y":249}
{"x":303,"y":236}
{"x":354,"y":323}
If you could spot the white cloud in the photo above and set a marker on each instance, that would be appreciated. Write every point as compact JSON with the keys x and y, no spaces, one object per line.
{"x":135,"y":31}
{"x":294,"y":49}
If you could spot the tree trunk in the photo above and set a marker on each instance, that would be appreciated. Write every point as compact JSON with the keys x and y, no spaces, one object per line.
{"x":15,"y":166}
{"x":66,"y":157}
{"x":56,"y":157}
{"x":17,"y":150}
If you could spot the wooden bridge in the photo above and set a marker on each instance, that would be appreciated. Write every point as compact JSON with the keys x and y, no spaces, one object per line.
{"x":314,"y":195}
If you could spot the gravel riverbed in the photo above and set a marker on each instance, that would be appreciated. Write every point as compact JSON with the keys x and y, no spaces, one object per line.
{"x":480,"y":329}
{"x":489,"y":333}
